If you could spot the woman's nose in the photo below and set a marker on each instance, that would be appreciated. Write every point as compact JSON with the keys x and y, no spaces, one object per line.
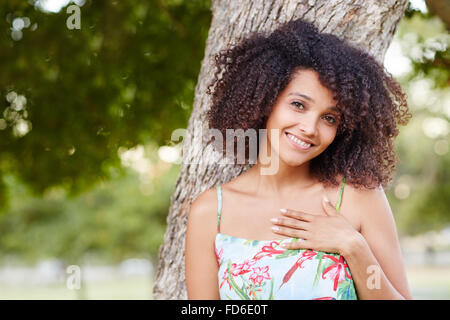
{"x":309,"y":126}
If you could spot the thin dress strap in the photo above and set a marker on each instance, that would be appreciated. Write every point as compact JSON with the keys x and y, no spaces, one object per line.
{"x":219,"y":206}
{"x":338,"y":205}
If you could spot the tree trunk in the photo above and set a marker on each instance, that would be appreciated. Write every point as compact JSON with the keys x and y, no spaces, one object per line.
{"x":441,"y":9}
{"x":369,"y":25}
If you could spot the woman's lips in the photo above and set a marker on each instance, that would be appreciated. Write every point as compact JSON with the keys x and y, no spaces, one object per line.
{"x":296,"y":145}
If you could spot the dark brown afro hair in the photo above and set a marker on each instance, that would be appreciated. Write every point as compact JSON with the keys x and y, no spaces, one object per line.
{"x":250,"y":75}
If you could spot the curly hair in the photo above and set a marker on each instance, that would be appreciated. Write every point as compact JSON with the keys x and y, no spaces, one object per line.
{"x":250,"y":75}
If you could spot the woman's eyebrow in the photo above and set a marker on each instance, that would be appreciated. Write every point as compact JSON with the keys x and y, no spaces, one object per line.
{"x":333,"y":108}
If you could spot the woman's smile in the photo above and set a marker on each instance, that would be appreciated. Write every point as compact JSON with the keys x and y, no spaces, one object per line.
{"x":298,"y":143}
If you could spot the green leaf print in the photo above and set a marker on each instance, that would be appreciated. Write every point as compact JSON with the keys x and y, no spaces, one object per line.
{"x":271,"y":290}
{"x":346,"y":290}
{"x":252,"y":243}
{"x":286,"y":254}
{"x":320,"y":268}
{"x":233,"y":284}
{"x":289,"y":252}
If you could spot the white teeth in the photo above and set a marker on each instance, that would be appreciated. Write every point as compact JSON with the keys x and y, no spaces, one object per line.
{"x":298,"y":141}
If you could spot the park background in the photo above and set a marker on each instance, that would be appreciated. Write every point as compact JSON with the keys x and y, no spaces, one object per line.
{"x":87,"y":167}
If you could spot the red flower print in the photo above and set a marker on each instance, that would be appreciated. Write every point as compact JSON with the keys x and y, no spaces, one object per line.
{"x":225,"y":279}
{"x":268,"y":251}
{"x":218,"y":255}
{"x":336,"y":271}
{"x":307,"y":255}
{"x":259,"y":274}
{"x":236,"y":269}
{"x":325,"y":298}
{"x":252,"y":292}
{"x":243,"y":267}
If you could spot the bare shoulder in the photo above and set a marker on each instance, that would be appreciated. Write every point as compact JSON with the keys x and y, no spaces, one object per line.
{"x":205,"y":200}
{"x":368,"y":205}
{"x":363,"y":196}
{"x":203,"y":212}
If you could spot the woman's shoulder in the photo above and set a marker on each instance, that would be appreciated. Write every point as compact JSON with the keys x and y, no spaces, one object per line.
{"x":363,"y":194}
{"x":203,"y":211}
{"x":205,"y":202}
{"x":364,"y":202}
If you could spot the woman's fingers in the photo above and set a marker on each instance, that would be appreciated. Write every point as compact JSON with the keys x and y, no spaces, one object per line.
{"x":286,"y":231}
{"x":289,"y":222}
{"x":299,"y":215}
{"x":300,"y":244}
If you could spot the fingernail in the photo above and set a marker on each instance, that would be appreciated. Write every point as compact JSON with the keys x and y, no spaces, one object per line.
{"x":275,"y":228}
{"x":275,"y":220}
{"x":326,"y":199}
{"x":283,"y":210}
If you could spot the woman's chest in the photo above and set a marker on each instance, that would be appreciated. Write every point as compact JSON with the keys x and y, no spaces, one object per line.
{"x":250,"y":218}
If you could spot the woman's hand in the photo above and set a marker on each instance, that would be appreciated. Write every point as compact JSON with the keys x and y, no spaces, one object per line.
{"x":330,"y":233}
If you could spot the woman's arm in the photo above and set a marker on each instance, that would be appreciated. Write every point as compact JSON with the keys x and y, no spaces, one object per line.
{"x":375,"y":258}
{"x":200,"y":260}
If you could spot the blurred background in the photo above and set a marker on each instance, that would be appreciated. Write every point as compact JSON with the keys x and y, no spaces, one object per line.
{"x":87,"y":167}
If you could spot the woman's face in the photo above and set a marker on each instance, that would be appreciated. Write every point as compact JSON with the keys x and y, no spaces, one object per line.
{"x":307,"y":118}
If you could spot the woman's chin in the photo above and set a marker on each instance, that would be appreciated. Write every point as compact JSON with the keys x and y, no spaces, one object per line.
{"x":294,"y":160}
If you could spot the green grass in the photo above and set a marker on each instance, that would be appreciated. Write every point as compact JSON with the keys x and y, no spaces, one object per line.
{"x":429,"y":283}
{"x":137,"y":288}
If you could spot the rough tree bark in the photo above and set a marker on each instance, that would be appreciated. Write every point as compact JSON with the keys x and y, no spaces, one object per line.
{"x":369,"y":25}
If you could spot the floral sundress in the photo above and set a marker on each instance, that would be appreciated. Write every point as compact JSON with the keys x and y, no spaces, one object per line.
{"x":261,"y":269}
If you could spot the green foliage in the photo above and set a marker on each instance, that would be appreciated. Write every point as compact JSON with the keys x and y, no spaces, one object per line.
{"x":425,"y":42}
{"x":113,"y":221}
{"x":125,"y":78}
{"x":422,"y":146}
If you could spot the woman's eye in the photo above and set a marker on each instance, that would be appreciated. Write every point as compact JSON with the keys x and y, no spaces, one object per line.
{"x":330,"y":119}
{"x":298,"y":104}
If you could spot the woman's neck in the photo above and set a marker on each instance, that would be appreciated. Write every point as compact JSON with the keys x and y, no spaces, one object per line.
{"x":281,"y":182}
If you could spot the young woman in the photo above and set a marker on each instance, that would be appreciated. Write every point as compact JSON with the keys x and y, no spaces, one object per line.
{"x":331,"y":113}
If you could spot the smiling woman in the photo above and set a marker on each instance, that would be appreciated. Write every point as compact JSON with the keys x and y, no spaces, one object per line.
{"x":305,"y":113}
{"x":331,"y":114}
